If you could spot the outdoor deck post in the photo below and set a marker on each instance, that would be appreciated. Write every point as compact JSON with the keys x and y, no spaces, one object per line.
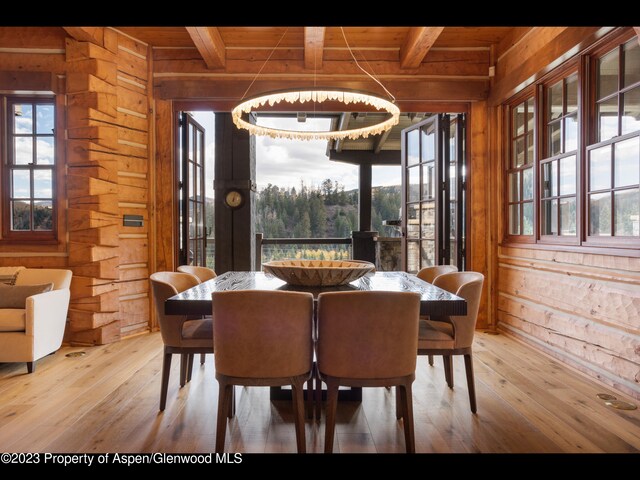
{"x":235,"y":168}
{"x":364,"y":240}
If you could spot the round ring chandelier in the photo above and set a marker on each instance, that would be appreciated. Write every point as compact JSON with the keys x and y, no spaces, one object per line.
{"x":317,"y":96}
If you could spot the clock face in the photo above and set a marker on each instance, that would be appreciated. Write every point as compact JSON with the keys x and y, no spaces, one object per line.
{"x":234,"y":199}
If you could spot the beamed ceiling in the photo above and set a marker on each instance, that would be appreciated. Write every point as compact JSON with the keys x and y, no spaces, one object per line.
{"x":417,"y":64}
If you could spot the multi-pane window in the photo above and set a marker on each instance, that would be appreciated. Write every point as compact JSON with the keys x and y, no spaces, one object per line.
{"x":580,"y":185}
{"x":613,"y":162}
{"x":558,"y":179}
{"x":520,"y":171}
{"x":29,"y":173}
{"x":421,"y":197}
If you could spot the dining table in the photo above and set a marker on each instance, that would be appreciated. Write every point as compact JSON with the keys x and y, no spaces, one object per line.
{"x":434,"y":302}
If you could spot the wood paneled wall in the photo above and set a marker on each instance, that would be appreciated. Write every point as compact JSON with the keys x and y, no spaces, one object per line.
{"x":582,"y":308}
{"x":105,"y":149}
{"x":108,"y":135}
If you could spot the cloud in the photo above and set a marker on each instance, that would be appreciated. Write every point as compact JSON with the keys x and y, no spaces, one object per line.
{"x":286,"y":162}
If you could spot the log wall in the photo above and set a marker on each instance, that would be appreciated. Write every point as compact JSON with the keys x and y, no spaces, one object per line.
{"x":106,"y":159}
{"x":579,"y":306}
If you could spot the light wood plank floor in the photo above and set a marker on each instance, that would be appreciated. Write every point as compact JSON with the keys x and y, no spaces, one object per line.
{"x":107,"y":401}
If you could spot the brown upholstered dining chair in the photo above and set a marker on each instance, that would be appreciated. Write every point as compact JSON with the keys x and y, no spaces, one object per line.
{"x":453,"y":335}
{"x":203,"y":273}
{"x":367,"y":339}
{"x":180,"y":334}
{"x":429,"y":274}
{"x":262,"y":339}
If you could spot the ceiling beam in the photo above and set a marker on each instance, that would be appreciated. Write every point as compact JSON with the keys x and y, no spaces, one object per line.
{"x":87,"y":34}
{"x":313,"y":47}
{"x":411,"y":96}
{"x":290,"y":62}
{"x":637,"y":30}
{"x":210,"y":45}
{"x":343,"y":125}
{"x":366,"y":157}
{"x":417,"y":44}
{"x":510,"y":40}
{"x":377,"y":146}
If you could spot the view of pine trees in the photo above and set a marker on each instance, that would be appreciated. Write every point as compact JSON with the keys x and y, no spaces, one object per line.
{"x":327,"y":211}
{"x":323,"y":211}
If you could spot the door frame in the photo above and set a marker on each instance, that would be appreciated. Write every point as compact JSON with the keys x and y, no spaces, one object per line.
{"x":442,"y":241}
{"x":183,"y":119}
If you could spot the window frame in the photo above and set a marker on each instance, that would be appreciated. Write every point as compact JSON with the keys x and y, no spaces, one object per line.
{"x":9,"y":236}
{"x":561,"y":74}
{"x":592,"y":142}
{"x":585,"y":64}
{"x":521,"y":97}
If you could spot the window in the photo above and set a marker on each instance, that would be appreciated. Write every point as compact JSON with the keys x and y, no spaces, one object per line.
{"x":573,"y":162}
{"x":558,"y":180}
{"x":613,"y":162}
{"x":520,"y":171}
{"x":29,"y":169}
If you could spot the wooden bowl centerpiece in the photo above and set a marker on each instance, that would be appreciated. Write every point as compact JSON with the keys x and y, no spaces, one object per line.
{"x":318,"y":273}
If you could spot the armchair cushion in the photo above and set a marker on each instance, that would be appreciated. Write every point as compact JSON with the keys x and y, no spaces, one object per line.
{"x":15,"y":296}
{"x":8,"y":274}
{"x":435,"y":335}
{"x":12,"y":320}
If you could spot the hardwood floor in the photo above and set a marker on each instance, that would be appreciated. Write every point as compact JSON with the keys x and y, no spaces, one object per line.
{"x":107,"y":401}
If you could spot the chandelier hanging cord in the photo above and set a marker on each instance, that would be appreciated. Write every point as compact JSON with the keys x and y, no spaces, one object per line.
{"x":264,"y":64}
{"x":393,"y":99}
{"x":314,"y":96}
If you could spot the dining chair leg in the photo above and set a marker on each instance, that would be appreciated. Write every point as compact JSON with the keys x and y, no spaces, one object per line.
{"x":407,"y":407}
{"x":231,"y":411}
{"x":183,"y":369}
{"x":203,"y":358}
{"x":164,"y":386}
{"x":318,"y":395}
{"x":471,"y":384}
{"x":190,"y":367}
{"x":399,"y":410}
{"x":224,"y":396}
{"x":310,"y":397}
{"x":430,"y":360}
{"x":448,"y":369}
{"x":297,"y":391}
{"x":332,"y":404}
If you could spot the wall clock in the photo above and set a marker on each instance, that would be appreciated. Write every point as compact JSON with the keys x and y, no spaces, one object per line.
{"x":234,"y":198}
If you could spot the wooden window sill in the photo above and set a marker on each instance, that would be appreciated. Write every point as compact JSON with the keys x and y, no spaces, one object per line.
{"x":612,"y":251}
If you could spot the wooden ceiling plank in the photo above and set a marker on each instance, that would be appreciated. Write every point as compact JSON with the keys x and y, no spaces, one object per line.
{"x":417,"y":44}
{"x":87,"y":34}
{"x":313,"y":47}
{"x":637,"y":30}
{"x":210,"y":45}
{"x":510,"y":40}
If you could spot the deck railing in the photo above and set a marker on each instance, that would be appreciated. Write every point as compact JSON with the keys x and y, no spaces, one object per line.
{"x":334,"y":249}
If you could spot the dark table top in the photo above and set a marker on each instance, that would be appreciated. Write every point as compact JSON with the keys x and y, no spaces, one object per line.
{"x":435,"y":301}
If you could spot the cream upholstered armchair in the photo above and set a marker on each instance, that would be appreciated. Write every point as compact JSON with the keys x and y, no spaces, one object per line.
{"x":35,"y":330}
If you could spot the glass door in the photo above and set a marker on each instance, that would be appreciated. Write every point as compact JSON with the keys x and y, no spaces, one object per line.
{"x":191,"y":192}
{"x":433,"y":187}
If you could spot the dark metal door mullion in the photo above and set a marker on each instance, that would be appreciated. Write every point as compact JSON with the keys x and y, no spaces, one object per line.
{"x":184,"y":189}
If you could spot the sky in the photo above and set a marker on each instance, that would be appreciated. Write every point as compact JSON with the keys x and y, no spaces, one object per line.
{"x":288,"y":162}
{"x":42,"y":181}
